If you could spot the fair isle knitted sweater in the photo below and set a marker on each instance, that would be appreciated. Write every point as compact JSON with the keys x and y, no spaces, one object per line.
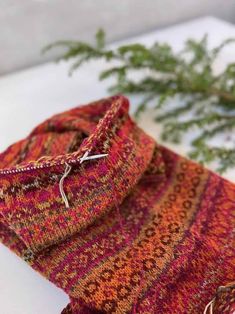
{"x":139,"y":230}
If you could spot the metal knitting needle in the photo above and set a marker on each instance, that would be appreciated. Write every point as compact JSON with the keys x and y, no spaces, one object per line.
{"x":61,"y":183}
{"x":67,"y":171}
{"x":209,"y":306}
{"x":86,"y":157}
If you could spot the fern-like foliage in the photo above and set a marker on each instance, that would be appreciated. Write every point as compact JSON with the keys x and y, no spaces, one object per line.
{"x":202,"y":100}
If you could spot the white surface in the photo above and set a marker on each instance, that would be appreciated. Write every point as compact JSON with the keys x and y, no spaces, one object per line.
{"x":31,"y":96}
{"x":28,"y":25}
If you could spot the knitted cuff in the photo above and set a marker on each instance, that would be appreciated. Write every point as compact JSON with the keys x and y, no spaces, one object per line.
{"x":44,"y":203}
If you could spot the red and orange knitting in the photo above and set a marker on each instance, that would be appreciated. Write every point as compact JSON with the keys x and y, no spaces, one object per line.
{"x":146,"y":231}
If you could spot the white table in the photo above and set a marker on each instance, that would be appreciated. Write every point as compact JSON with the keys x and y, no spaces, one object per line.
{"x":28,"y":97}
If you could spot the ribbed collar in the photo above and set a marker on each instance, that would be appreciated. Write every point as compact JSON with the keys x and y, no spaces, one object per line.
{"x":30,"y":200}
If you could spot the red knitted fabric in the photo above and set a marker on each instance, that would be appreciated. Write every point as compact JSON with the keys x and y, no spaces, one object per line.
{"x":141,"y":230}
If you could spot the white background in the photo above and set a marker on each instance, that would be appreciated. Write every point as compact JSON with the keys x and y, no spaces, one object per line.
{"x":28,"y":25}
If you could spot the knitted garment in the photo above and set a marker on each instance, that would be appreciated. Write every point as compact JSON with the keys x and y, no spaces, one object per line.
{"x":141,"y":230}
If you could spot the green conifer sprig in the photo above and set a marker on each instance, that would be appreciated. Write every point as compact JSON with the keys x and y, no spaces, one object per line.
{"x":182,"y":87}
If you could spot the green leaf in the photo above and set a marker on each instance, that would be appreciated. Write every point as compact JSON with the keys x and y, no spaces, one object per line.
{"x":100,"y":39}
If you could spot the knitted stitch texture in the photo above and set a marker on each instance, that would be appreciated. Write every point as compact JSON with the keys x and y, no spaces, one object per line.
{"x":146,"y":230}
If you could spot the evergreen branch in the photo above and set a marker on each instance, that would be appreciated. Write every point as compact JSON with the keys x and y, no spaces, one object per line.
{"x":206,"y":102}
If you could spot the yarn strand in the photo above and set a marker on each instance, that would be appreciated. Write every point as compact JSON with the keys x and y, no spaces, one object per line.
{"x":61,"y":184}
